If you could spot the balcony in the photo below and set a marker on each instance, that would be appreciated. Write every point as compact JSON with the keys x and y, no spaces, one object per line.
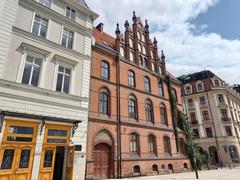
{"x":194,"y":122}
{"x":222,"y":105}
{"x":226,"y":119}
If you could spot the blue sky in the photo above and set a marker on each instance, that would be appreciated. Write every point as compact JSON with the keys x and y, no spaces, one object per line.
{"x":195,"y":34}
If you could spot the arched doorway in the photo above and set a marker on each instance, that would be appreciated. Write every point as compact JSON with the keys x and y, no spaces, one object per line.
{"x":214,"y":155}
{"x":234,"y":154}
{"x":103,"y":156}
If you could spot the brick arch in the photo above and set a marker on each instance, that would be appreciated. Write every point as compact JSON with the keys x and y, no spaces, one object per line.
{"x":103,"y":136}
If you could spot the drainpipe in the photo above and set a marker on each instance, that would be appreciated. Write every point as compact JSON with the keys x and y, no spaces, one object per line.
{"x":119,"y":148}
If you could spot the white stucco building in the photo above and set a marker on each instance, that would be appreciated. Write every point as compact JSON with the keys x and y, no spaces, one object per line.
{"x":45,"y":56}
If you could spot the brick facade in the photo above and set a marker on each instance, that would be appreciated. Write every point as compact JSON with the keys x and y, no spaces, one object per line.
{"x":104,"y":128}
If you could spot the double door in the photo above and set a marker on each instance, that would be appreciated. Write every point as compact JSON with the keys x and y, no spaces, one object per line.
{"x":16,"y":162}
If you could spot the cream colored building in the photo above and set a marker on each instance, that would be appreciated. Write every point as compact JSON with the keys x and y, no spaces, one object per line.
{"x":213,"y":108}
{"x":45,"y":56}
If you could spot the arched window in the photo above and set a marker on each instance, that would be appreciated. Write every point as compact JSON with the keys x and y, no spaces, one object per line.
{"x":122,"y":52}
{"x":152,"y":147}
{"x":141,"y":60}
{"x":132,"y":107}
{"x":182,"y":146}
{"x":139,"y":35}
{"x":139,"y":47}
{"x":149,"y":111}
{"x":105,"y":70}
{"x":134,"y":143}
{"x":104,"y":102}
{"x":167,"y":145}
{"x":170,"y":167}
{"x":136,"y":169}
{"x":155,"y":168}
{"x":144,"y":50}
{"x":145,"y":64}
{"x":160,"y":88}
{"x":174,"y":93}
{"x":131,"y":56}
{"x":185,"y":166}
{"x":216,"y":82}
{"x":131,"y":78}
{"x":163,"y":115}
{"x":147,"y":84}
{"x":153,"y":66}
{"x":131,"y":42}
{"x":188,"y":89}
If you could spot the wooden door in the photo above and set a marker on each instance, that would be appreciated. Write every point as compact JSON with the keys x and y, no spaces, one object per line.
{"x":70,"y":160}
{"x":47,"y":163}
{"x":16,"y":162}
{"x":102,"y":158}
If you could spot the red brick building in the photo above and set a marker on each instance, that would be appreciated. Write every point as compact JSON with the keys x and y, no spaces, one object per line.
{"x":130,"y":121}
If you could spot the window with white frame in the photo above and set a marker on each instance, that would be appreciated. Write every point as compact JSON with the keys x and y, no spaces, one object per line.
{"x":70,"y":13}
{"x":31,"y":70}
{"x":46,"y":3}
{"x":188,"y":89}
{"x":200,"y":86}
{"x":40,"y":26}
{"x":63,"y":79}
{"x":67,"y":38}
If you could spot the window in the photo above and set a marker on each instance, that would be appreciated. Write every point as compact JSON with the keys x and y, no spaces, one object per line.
{"x":31,"y":70}
{"x":134,"y":143}
{"x":193,"y":118}
{"x":104,"y":103}
{"x":200,"y":86}
{"x":131,"y":56}
{"x":149,"y":111}
{"x":40,"y":26}
{"x":209,"y":132}
{"x":155,"y":168}
{"x":228,"y":130}
{"x":163,"y":115}
{"x":152,"y":144}
{"x":174,"y":93}
{"x":190,"y":103}
{"x":224,"y":114}
{"x":67,"y":38}
{"x":122,"y":51}
{"x":131,"y":78}
{"x":167,"y":145}
{"x":70,"y":13}
{"x":195,"y":133}
{"x":153,"y":66}
{"x":63,"y":79}
{"x":220,"y":98}
{"x":205,"y":115}
{"x":188,"y":89}
{"x":160,"y":88}
{"x":136,"y":169}
{"x":132,"y":107}
{"x":182,"y":146}
{"x":46,"y":3}
{"x":131,"y":42}
{"x":147,"y":84}
{"x":104,"y":70}
{"x":202,"y":100}
{"x":216,"y":82}
{"x":139,"y":47}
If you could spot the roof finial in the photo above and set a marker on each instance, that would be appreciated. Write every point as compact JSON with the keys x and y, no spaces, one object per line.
{"x":146,"y":24}
{"x":126,"y":24}
{"x":155,"y":41}
{"x":117,"y":32}
{"x":134,"y":15}
{"x":163,"y":56}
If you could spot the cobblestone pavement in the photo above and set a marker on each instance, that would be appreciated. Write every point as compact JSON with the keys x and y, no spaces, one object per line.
{"x":220,"y":174}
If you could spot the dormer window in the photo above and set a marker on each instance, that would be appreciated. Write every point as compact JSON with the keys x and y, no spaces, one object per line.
{"x":216,"y":82}
{"x":188,"y":89}
{"x":200,"y":87}
{"x":46,"y":3}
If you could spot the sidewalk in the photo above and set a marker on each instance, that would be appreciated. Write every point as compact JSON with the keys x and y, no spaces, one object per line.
{"x":220,"y":174}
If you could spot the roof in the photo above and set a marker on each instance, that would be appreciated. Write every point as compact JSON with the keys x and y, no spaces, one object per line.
{"x":104,"y":39}
{"x":196,"y":76}
{"x":83,"y":3}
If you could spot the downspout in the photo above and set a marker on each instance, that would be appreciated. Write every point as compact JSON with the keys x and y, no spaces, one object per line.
{"x":119,"y":148}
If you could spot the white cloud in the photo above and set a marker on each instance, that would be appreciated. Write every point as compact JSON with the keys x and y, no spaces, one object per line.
{"x":170,"y":20}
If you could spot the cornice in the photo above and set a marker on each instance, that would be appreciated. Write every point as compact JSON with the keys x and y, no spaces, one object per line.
{"x":35,"y":6}
{"x":47,"y":42}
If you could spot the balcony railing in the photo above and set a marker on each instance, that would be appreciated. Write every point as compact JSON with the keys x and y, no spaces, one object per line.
{"x":194,"y":122}
{"x":226,"y":119}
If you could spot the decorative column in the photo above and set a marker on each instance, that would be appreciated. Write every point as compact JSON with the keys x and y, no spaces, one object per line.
{"x":135,"y":39}
{"x":127,"y":46}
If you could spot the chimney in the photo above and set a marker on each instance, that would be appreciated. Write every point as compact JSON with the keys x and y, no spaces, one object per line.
{"x":100,"y":27}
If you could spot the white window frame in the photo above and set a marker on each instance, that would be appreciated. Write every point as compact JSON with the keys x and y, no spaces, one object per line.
{"x":70,"y":13}
{"x":202,"y":86}
{"x":73,"y":45}
{"x":45,"y":3}
{"x":185,"y":89}
{"x":33,"y":20}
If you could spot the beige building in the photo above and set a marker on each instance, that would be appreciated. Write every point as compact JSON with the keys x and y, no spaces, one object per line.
{"x":45,"y":57}
{"x":213,"y":108}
